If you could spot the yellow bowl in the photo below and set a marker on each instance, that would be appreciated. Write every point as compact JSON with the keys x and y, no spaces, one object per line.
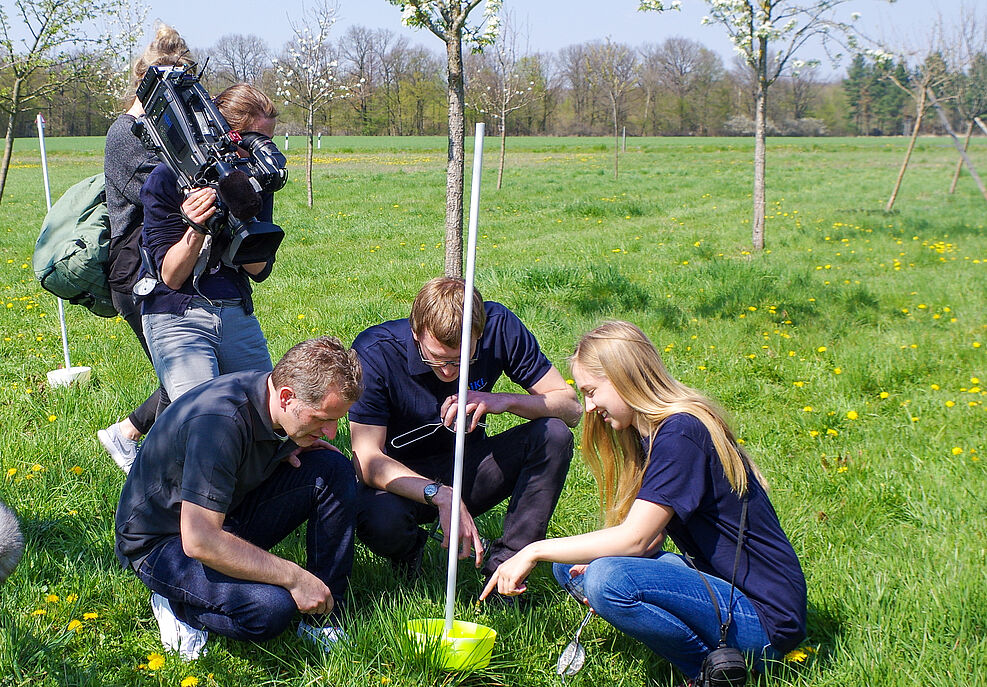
{"x":468,"y":647}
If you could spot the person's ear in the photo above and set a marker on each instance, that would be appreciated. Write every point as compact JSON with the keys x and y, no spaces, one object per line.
{"x":285,"y":394}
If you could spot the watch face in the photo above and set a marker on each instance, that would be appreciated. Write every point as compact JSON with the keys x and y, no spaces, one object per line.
{"x":430,"y":491}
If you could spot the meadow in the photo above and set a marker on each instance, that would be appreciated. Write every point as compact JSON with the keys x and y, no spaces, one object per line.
{"x":851,"y":355}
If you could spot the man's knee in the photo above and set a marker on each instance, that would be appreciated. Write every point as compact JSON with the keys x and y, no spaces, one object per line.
{"x":334,"y":471}
{"x":271,"y":611}
{"x":385,"y":522}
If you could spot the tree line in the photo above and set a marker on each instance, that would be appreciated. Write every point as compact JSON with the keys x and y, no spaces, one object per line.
{"x":677,"y":87}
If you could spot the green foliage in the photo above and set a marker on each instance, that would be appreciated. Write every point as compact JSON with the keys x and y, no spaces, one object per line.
{"x":847,"y":309}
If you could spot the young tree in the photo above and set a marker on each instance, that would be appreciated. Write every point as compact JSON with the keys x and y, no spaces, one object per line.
{"x":612,"y":67}
{"x":497,"y":85}
{"x":447,"y":19}
{"x":55,"y":52}
{"x":307,"y":73}
{"x":755,"y":27}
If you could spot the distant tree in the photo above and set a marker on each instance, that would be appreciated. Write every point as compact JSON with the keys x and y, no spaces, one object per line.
{"x":360,"y":48}
{"x":447,"y":19}
{"x":54,"y":53}
{"x":755,"y":27}
{"x":612,"y":67}
{"x":307,"y":73}
{"x":239,"y":58}
{"x":498,"y":86}
{"x":684,"y":68}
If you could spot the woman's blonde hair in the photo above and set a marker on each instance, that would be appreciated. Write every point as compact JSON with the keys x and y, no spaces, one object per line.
{"x":243,"y":105}
{"x":623,"y":354}
{"x":166,"y":48}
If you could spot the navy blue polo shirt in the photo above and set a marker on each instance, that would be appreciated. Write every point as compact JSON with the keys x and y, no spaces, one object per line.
{"x":164,"y":227}
{"x":210,"y":447}
{"x":684,"y":473}
{"x":402,"y":393}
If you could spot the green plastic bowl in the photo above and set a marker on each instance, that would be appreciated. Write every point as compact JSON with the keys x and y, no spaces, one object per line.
{"x":468,"y":647}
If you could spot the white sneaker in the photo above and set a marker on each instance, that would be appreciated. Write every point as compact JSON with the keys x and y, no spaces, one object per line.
{"x":326,"y":638}
{"x":175,"y":634}
{"x":121,"y":449}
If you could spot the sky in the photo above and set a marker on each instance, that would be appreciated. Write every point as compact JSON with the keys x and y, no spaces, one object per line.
{"x":551,"y":24}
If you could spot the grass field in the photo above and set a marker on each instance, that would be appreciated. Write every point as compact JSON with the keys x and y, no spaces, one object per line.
{"x":852,"y":355}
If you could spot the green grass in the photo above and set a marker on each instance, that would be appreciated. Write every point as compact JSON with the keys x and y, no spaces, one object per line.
{"x":849,"y":309}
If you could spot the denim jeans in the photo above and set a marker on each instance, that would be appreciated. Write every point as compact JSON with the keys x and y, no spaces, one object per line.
{"x":321,"y":491}
{"x":204,"y":342}
{"x":663,"y":603}
{"x":144,"y":415}
{"x":527,"y":463}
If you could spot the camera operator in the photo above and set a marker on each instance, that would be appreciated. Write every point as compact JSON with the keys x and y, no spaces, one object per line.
{"x":199,"y":318}
{"x":126,"y":165}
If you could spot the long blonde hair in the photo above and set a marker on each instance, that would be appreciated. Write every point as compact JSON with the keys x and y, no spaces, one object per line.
{"x":623,"y":354}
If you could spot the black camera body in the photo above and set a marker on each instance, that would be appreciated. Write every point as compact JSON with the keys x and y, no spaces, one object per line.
{"x":723,"y":667}
{"x":186,"y":130}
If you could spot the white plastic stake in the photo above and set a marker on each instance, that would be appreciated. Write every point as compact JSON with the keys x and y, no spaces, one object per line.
{"x":464,"y":374}
{"x":44,"y":173}
{"x":320,"y":141}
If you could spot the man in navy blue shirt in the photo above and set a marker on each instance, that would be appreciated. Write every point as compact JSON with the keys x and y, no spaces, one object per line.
{"x":219,"y":481}
{"x":403,"y":429}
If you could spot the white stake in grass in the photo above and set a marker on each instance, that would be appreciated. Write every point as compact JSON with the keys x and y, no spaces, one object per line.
{"x":464,"y":373}
{"x":68,"y":374}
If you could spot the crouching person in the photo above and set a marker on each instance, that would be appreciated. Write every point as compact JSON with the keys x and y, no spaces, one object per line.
{"x":220,"y":480}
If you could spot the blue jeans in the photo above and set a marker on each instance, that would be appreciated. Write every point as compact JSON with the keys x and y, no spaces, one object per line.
{"x":663,"y":603}
{"x":204,"y":342}
{"x":321,"y":491}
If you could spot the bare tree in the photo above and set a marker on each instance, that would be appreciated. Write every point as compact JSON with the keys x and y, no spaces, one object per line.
{"x":612,"y":68}
{"x":307,"y":72}
{"x":55,"y":52}
{"x":239,"y":58}
{"x":966,"y":53}
{"x":447,"y":19}
{"x":498,"y":87}
{"x":682,"y":66}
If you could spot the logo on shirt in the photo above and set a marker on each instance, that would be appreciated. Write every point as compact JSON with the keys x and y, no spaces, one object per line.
{"x":478,"y":384}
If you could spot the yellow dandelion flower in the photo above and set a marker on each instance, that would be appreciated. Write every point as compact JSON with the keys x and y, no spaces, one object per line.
{"x":39,"y":611}
{"x":52,"y":418}
{"x":842,"y":469}
{"x":821,"y":349}
{"x":807,"y":409}
{"x":837,"y":370}
{"x":11,"y":472}
{"x":934,"y":387}
{"x":71,"y":598}
{"x":301,"y":317}
{"x":976,"y":344}
{"x":796,"y":656}
{"x":852,"y":415}
{"x":190,"y":681}
{"x":76,"y":469}
{"x":51,"y":598}
{"x":813,"y":433}
{"x":799,"y":384}
{"x":957,"y":450}
{"x":884,"y":394}
{"x":90,"y":616}
{"x":950,"y":404}
{"x":74,"y":625}
{"x":155,"y":661}
{"x":832,"y":432}
{"x":37,"y":467}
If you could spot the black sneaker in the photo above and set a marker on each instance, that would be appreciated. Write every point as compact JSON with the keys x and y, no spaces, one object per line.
{"x":408,"y":568}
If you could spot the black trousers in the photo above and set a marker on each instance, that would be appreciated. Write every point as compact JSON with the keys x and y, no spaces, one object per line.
{"x":526,"y":464}
{"x":144,"y":415}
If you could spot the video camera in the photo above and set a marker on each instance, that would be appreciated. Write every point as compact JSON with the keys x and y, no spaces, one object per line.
{"x":183,"y":126}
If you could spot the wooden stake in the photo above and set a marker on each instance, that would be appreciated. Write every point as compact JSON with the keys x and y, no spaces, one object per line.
{"x":956,"y":141}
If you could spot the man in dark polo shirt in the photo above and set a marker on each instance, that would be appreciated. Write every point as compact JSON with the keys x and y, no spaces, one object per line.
{"x":403,"y":429}
{"x":219,"y":480}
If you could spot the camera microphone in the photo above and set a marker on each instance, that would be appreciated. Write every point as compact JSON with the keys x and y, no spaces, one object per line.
{"x":239,"y":195}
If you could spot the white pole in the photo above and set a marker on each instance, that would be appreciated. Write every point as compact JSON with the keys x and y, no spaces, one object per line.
{"x":286,"y":141}
{"x":320,"y":141}
{"x":464,"y":373}
{"x":624,"y":141}
{"x":44,"y":173}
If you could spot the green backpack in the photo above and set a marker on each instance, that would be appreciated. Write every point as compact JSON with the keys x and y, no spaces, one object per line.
{"x":72,"y":251}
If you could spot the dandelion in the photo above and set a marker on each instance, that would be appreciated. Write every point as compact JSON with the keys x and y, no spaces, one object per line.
{"x":52,"y":418}
{"x":957,"y":450}
{"x":74,"y":625}
{"x":799,"y":384}
{"x":90,"y":616}
{"x":796,"y":656}
{"x":976,"y":344}
{"x":37,"y":467}
{"x":837,"y":370}
{"x":821,"y":349}
{"x":11,"y":472}
{"x":51,"y":598}
{"x":950,"y":404}
{"x":807,"y":409}
{"x":155,"y":661}
{"x":934,"y":387}
{"x":570,"y":382}
{"x":884,"y":394}
{"x":813,"y":432}
{"x":852,"y":415}
{"x":190,"y":681}
{"x":71,"y":598}
{"x":842,"y":469}
{"x":832,"y":432}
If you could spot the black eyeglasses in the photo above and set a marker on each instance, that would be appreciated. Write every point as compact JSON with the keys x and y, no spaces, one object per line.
{"x":443,"y":363}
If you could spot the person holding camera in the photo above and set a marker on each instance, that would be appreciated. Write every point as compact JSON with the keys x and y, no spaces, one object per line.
{"x":126,"y":166}
{"x":199,"y":317}
{"x":667,"y":464}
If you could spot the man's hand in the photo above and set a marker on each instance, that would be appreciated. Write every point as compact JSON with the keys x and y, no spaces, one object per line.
{"x":317,"y":445}
{"x":478,"y":404}
{"x":311,"y":595}
{"x":469,"y":537}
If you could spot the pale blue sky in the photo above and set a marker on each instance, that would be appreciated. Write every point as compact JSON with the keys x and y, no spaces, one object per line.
{"x":552,"y":24}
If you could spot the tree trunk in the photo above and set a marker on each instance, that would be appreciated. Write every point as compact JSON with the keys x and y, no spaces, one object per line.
{"x":956,"y":142}
{"x":616,"y":138}
{"x":908,"y":153}
{"x":8,"y":145}
{"x":959,"y":163}
{"x":503,"y":147}
{"x":760,"y":126}
{"x":456,"y":155}
{"x":308,"y":155}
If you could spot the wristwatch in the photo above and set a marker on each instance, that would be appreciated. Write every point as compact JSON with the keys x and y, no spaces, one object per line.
{"x":430,"y":491}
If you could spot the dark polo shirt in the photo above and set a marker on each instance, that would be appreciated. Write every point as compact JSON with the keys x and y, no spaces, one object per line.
{"x":402,"y":393}
{"x":211,"y":447}
{"x":685,"y":474}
